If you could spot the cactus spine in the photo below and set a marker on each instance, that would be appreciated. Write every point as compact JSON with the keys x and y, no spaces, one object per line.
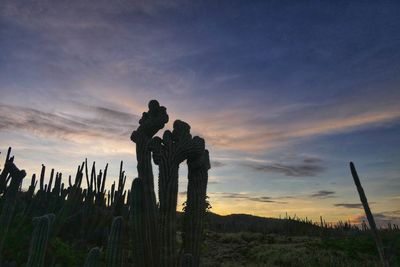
{"x":93,"y":258}
{"x":114,"y":249}
{"x":39,"y":240}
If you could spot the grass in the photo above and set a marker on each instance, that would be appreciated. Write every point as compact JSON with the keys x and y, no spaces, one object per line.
{"x":248,"y":249}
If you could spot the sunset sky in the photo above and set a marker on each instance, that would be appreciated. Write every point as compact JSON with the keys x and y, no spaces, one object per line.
{"x":285,"y":94}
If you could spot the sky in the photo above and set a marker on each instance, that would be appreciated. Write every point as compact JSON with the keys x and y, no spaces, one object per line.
{"x":285,"y":93}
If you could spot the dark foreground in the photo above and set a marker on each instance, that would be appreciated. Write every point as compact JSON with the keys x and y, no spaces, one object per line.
{"x":255,"y":249}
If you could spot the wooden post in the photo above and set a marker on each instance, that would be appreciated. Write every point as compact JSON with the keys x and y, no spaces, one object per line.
{"x":369,"y":215}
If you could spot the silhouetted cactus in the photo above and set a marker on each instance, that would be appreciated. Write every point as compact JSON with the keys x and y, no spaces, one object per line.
{"x":150,"y":123}
{"x":168,"y":153}
{"x":86,"y":212}
{"x":73,"y":201}
{"x":93,"y":258}
{"x":4,"y":173}
{"x":7,"y":211}
{"x":114,"y":248}
{"x":196,"y":205}
{"x":39,"y":240}
{"x":137,"y":221}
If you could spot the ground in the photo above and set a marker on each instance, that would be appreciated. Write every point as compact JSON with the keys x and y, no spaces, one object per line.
{"x":254,"y":249}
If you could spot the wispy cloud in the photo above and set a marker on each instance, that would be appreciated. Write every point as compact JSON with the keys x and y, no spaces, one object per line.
{"x":243,"y":196}
{"x":310,"y":167}
{"x":91,"y":122}
{"x":323,"y":194}
{"x":349,"y":205}
{"x":217,"y":164}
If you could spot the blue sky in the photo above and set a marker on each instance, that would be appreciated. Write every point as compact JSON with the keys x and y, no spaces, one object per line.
{"x":285,"y":94}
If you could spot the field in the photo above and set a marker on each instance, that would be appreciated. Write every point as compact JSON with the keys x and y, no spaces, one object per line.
{"x":255,"y":249}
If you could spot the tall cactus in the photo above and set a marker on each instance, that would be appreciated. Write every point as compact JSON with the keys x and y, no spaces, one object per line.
{"x":39,"y":240}
{"x":93,"y":258}
{"x":168,"y":153}
{"x":10,"y":199}
{"x":196,"y":205}
{"x":114,"y":249}
{"x":137,"y":221}
{"x":150,"y":123}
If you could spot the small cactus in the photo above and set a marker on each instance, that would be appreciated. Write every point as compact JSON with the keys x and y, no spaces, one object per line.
{"x":114,"y":249}
{"x":187,"y":260}
{"x":93,"y":258}
{"x":39,"y":240}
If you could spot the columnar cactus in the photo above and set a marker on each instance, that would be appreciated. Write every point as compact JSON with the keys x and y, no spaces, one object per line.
{"x":93,"y":258}
{"x":114,"y":248}
{"x":150,"y":123}
{"x":39,"y":240}
{"x":196,"y":205}
{"x":73,"y":200}
{"x":168,"y":153}
{"x":10,"y":199}
{"x":137,"y":221}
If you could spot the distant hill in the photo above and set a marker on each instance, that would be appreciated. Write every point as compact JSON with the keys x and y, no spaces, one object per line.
{"x":249,"y":223}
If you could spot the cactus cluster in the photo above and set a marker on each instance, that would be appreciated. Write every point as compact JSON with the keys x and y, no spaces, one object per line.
{"x":12,"y":175}
{"x":159,"y":222}
{"x":141,"y":231}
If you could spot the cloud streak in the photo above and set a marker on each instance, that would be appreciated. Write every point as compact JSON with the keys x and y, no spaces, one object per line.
{"x":310,"y":167}
{"x":349,"y":205}
{"x":92,"y":122}
{"x":323,"y":194}
{"x":241,"y":196}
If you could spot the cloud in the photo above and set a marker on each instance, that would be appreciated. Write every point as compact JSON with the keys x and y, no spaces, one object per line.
{"x":349,"y":205}
{"x":217,"y":164}
{"x":323,"y":194}
{"x":92,"y":122}
{"x":310,"y":167}
{"x":241,"y":196}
